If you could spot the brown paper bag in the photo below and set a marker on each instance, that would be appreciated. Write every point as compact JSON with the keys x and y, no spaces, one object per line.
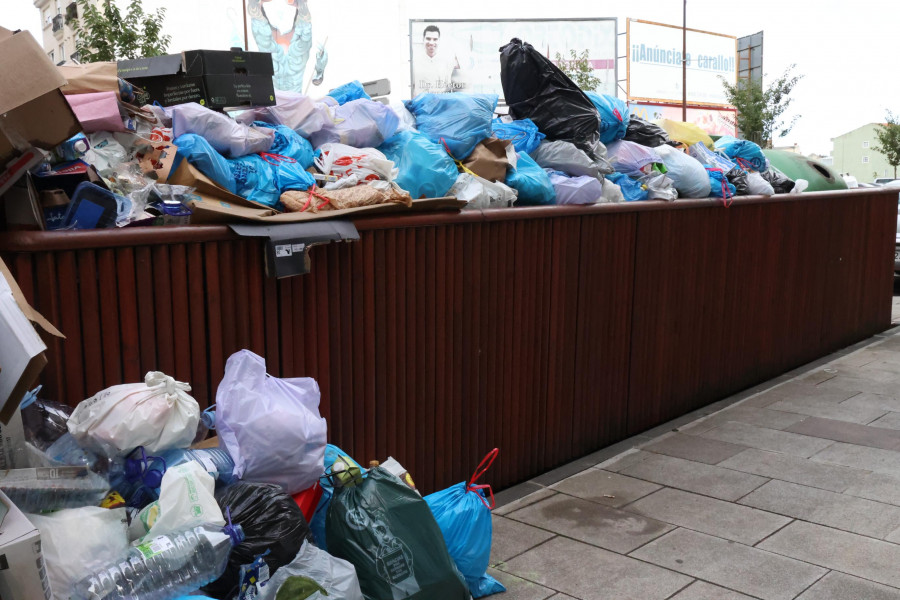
{"x":91,"y":77}
{"x":488,"y":160}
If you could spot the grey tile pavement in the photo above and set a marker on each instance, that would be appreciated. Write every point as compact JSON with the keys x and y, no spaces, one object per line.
{"x":788,"y":490}
{"x":590,"y":573}
{"x":734,"y":566}
{"x":856,"y":515}
{"x":602,"y":526}
{"x":794,"y":469}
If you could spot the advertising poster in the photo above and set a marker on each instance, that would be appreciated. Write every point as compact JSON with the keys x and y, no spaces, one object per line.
{"x":712,"y":121}
{"x":464,"y":56}
{"x":655,"y":64}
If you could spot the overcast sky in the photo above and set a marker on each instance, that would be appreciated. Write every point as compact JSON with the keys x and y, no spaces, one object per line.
{"x":846,"y":50}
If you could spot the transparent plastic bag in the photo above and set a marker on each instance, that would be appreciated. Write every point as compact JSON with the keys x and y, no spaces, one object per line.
{"x":336,"y":576}
{"x":367,"y":164}
{"x":481,"y":193}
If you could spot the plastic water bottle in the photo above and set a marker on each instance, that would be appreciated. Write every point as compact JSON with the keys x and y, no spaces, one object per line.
{"x":53,"y":488}
{"x":165,"y":567}
{"x":216,"y":461}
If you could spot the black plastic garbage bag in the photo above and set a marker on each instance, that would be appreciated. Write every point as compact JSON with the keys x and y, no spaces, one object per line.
{"x":781,"y":183}
{"x":388,"y":532}
{"x":645,"y":133}
{"x":44,"y":421}
{"x":738,"y":178}
{"x":271,"y":520}
{"x":536,"y":89}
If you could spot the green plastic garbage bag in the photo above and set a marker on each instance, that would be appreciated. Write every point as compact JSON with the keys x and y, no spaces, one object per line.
{"x":389,"y":534}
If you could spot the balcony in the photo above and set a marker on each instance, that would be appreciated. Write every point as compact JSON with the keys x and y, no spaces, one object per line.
{"x":57,"y":23}
{"x":71,"y":13}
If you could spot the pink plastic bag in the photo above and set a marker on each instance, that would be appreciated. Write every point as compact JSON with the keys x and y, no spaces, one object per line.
{"x":97,"y":112}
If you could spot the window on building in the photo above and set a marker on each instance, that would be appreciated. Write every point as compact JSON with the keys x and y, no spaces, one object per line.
{"x":62,"y":52}
{"x":866,"y":144}
{"x":865,"y":160}
{"x":50,"y":54}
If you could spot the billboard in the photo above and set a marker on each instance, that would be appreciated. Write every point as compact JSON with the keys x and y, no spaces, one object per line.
{"x":464,"y":56}
{"x":714,"y":121}
{"x":654,"y":63}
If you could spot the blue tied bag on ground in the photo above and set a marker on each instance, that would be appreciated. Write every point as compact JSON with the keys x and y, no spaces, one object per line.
{"x":425,"y":170}
{"x":353,"y":90}
{"x":631,"y":189}
{"x":523,"y":134}
{"x":464,"y":516}
{"x":460,"y":121}
{"x":614,"y":114}
{"x":532,"y":182}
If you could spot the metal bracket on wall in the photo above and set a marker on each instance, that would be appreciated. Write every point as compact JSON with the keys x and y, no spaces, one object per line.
{"x":287,"y":245}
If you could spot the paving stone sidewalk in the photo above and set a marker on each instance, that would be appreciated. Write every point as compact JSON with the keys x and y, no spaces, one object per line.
{"x":792,"y":490}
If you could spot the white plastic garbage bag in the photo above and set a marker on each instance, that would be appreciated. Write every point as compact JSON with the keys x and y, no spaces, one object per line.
{"x":271,"y":427}
{"x":336,"y":576}
{"x":612,"y":192}
{"x":569,"y":158}
{"x":186,"y":498}
{"x":481,"y":193}
{"x":576,"y":190}
{"x":758,"y":185}
{"x":689,"y":175}
{"x":227,"y":136}
{"x":659,"y":187}
{"x":407,"y":119}
{"x":75,"y":538}
{"x":359,"y":123}
{"x":368,"y":164}
{"x":158,"y":414}
{"x":300,"y":113}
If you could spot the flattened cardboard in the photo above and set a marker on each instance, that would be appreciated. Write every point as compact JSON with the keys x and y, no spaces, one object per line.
{"x":26,"y":72}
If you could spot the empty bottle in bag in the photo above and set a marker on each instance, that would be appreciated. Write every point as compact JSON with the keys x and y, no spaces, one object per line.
{"x":53,"y":488}
{"x":164,"y":567}
{"x":216,"y":461}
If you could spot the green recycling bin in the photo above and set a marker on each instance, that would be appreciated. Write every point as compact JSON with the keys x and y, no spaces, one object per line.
{"x":820,"y":176}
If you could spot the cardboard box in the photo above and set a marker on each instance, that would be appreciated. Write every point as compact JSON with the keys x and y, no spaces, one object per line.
{"x":23,"y":574}
{"x":214,"y":78}
{"x":33,"y":111}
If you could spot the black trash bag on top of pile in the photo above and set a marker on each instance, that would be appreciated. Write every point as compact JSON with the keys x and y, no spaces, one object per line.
{"x":781,"y":183}
{"x":645,"y":133}
{"x":738,"y":178}
{"x":536,"y":89}
{"x":271,"y":520}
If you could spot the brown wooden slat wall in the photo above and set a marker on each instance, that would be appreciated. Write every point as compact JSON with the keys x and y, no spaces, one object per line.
{"x":548,"y":333}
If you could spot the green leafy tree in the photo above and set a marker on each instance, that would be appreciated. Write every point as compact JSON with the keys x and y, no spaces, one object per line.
{"x":105,"y":34}
{"x":888,"y":135}
{"x":579,"y":69}
{"x":760,"y":112}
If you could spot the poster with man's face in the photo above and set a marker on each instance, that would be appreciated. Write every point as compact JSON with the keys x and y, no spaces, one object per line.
{"x":463,"y":56}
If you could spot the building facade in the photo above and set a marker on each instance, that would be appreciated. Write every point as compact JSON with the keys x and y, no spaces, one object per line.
{"x":854,"y":153}
{"x":58,"y":19}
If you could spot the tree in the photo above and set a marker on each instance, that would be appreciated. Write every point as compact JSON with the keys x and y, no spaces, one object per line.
{"x":579,"y":69}
{"x":103,"y":34}
{"x":759,"y":111}
{"x":888,"y":135}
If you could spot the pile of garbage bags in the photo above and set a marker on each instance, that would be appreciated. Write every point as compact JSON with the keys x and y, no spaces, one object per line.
{"x":133,"y":501}
{"x":557,"y":145}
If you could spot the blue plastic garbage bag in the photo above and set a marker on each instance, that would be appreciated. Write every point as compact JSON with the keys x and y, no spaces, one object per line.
{"x":746,"y":153}
{"x":631,"y":189}
{"x":460,"y":120}
{"x":197,"y":151}
{"x":349,"y":91}
{"x":523,"y":134}
{"x":614,"y":114}
{"x":464,"y":517}
{"x":255,"y":180}
{"x":531,"y":181}
{"x":719,"y":187}
{"x":289,"y":143}
{"x":317,"y":523}
{"x":425,"y":170}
